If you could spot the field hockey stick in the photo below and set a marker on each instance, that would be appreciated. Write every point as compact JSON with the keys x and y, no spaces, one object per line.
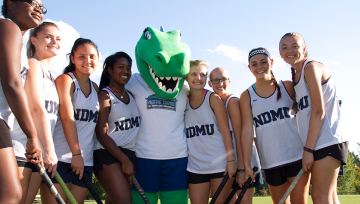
{"x":232,"y":193}
{"x":92,"y":190}
{"x":221,"y":186}
{"x":65,"y":189}
{"x":245,"y":187}
{"x":49,"y":184}
{"x":292,"y":186}
{"x":140,"y":190}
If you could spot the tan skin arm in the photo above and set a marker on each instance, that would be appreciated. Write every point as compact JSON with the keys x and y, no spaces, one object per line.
{"x":247,"y":134}
{"x":34,"y":90}
{"x":314,"y":74}
{"x":221,"y":116}
{"x":10,"y":56}
{"x":235,"y":117}
{"x":65,"y":87}
{"x":102,"y":131}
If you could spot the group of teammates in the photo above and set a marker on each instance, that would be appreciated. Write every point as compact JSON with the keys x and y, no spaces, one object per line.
{"x":311,"y":140}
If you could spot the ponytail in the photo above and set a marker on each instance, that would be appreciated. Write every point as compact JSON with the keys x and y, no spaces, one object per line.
{"x":277,"y":86}
{"x":293,"y":76}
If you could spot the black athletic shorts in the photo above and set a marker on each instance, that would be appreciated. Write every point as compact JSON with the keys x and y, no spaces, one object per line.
{"x":26,"y":165}
{"x":278,"y":176}
{"x":194,"y":178}
{"x":5,"y":138}
{"x":101,"y":156}
{"x":338,"y":151}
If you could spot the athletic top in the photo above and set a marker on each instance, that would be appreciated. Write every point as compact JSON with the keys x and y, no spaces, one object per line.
{"x":254,"y":155}
{"x":330,"y":132}
{"x":5,"y":111}
{"x":86,"y":111}
{"x":275,"y":126}
{"x":51,"y":97}
{"x":124,"y":122}
{"x":207,"y":153}
{"x":161,"y":134}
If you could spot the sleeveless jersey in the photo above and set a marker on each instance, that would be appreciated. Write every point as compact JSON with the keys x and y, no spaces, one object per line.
{"x":275,"y":126}
{"x":254,"y":155}
{"x":207,"y":153}
{"x":86,"y":111}
{"x":124,"y":122}
{"x":330,"y":132}
{"x":51,"y":97}
{"x":5,"y":111}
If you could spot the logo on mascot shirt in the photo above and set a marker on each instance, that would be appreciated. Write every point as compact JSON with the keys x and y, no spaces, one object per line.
{"x":154,"y":102}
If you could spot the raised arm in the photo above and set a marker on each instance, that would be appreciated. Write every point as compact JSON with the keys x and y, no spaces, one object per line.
{"x":10,"y":56}
{"x":247,"y":134}
{"x":65,"y":88}
{"x":221,"y":116}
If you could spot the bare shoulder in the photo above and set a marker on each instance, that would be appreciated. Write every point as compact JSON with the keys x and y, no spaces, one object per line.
{"x":317,"y":70}
{"x":95,"y":86}
{"x":244,"y":96}
{"x":234,"y":101}
{"x":104,"y":95}
{"x":33,"y":64}
{"x":8,"y":28}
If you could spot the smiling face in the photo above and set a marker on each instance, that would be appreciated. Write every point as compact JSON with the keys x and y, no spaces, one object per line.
{"x":85,"y":59}
{"x":292,"y":49}
{"x":24,"y":14}
{"x":219,"y":81}
{"x":121,"y":71}
{"x":260,"y":65}
{"x":197,"y":77}
{"x":47,"y":42}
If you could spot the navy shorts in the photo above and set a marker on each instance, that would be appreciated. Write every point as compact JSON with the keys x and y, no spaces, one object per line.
{"x":68,"y":176}
{"x":27,"y":165}
{"x":338,"y":151}
{"x":278,"y":176}
{"x":194,"y":178}
{"x":162,"y":175}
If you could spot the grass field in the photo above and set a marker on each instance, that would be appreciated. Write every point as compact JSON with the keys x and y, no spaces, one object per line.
{"x":344,"y":199}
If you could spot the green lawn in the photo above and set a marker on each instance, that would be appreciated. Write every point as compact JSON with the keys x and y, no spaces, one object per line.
{"x":344,"y":199}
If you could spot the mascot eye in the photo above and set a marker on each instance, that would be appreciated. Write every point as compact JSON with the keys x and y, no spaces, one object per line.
{"x":147,"y":35}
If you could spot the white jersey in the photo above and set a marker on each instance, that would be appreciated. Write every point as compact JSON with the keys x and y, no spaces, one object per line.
{"x":5,"y":111}
{"x":275,"y":126}
{"x":330,"y":132}
{"x":161,"y":134}
{"x":51,"y":97}
{"x":124,"y":122}
{"x":86,"y":111}
{"x":207,"y":153}
{"x":254,"y":155}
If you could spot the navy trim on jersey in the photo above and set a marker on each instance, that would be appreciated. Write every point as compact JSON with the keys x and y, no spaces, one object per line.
{"x":286,"y":90}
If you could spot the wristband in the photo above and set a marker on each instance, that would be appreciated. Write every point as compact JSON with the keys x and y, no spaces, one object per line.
{"x":309,"y":150}
{"x":76,"y":154}
{"x":240,"y":171}
{"x":231,"y":161}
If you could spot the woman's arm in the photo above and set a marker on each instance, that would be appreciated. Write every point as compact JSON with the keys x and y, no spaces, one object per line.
{"x":10,"y":57}
{"x":313,"y":74}
{"x":247,"y":133}
{"x":35,"y":91}
{"x":235,"y":117}
{"x":221,"y":116}
{"x":65,"y":88}
{"x":102,"y":131}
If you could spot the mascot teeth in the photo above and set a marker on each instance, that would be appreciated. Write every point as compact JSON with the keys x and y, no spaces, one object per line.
{"x":166,"y":84}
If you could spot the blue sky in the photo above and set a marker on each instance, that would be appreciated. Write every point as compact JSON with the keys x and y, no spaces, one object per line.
{"x":223,"y":32}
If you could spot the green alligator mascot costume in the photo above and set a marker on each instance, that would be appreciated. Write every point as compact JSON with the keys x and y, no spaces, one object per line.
{"x":163,"y":62}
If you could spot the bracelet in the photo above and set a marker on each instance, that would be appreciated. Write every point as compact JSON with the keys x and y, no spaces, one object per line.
{"x":240,"y":171}
{"x":309,"y":150}
{"x":231,"y":161}
{"x":76,"y":154}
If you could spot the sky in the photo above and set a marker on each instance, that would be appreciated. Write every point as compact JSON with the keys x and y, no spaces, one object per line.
{"x":222,"y":33}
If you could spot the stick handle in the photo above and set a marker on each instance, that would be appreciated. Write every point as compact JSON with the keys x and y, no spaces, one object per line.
{"x":140,"y":190}
{"x":221,"y":186}
{"x":92,"y":190}
{"x":49,"y":184}
{"x":292,"y":186}
{"x":65,"y":189}
{"x":243,"y":190}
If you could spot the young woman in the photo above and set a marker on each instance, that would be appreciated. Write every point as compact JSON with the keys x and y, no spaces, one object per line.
{"x":318,"y":118}
{"x":78,"y":111}
{"x":211,"y":153}
{"x":267,"y":106}
{"x":19,"y":17}
{"x":43,"y":102}
{"x":220,"y":81}
{"x":116,"y":130}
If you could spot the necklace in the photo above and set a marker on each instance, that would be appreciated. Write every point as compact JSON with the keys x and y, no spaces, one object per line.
{"x":121,"y":95}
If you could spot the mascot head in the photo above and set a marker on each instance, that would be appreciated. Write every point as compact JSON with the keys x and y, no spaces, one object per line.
{"x":163,"y":61}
